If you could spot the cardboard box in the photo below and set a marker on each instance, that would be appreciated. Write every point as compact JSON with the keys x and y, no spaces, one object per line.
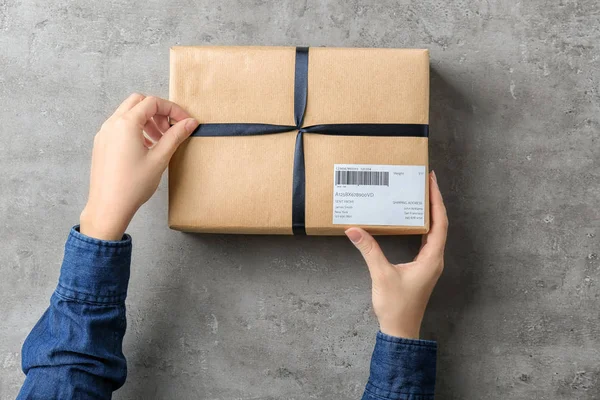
{"x":244,"y":184}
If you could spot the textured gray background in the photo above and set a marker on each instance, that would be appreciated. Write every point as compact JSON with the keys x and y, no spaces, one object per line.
{"x":515,"y":120}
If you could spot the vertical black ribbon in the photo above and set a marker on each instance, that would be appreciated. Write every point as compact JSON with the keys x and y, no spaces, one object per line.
{"x":299,"y":178}
{"x":300,"y":99}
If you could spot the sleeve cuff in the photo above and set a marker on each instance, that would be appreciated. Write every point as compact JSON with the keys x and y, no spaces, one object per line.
{"x":403,"y":368}
{"x":93,"y":270}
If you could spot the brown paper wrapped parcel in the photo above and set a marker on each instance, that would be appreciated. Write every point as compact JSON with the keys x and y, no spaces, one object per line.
{"x":243,"y":184}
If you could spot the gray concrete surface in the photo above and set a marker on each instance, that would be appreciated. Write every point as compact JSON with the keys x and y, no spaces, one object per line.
{"x":515,"y":141}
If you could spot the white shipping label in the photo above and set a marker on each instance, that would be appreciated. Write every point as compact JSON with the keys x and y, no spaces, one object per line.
{"x":379,"y":194}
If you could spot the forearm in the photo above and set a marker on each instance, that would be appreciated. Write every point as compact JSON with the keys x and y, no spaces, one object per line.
{"x":402,"y":369}
{"x":75,"y":349}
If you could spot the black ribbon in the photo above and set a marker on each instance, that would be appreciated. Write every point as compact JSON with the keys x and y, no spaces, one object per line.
{"x":300,"y":96}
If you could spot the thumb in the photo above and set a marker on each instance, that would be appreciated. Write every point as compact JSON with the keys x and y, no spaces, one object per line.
{"x":370,"y":250}
{"x":173,"y":137}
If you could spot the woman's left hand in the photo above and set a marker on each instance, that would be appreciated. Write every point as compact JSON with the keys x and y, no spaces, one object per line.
{"x":126,"y":166}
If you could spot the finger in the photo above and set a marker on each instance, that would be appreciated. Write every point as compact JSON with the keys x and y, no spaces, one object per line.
{"x":435,"y":240}
{"x":370,"y":250}
{"x":172,"y":138}
{"x":423,"y":242}
{"x":128,"y":103}
{"x":152,"y":130}
{"x":151,"y":106}
{"x":162,"y":122}
{"x":147,"y":142}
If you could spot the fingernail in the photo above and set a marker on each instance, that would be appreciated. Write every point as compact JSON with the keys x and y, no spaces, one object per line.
{"x":354,"y":235}
{"x":190,"y":125}
{"x":433,"y":176}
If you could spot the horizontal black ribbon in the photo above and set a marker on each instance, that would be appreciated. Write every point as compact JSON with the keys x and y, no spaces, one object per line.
{"x":300,"y":96}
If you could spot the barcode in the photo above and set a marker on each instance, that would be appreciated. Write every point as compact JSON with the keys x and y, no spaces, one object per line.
{"x":373,"y":178}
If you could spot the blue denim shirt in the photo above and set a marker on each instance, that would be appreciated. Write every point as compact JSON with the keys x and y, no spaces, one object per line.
{"x":75,"y":349}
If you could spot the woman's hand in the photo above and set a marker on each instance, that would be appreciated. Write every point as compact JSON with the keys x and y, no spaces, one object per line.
{"x":127,"y":166}
{"x":401,"y":291}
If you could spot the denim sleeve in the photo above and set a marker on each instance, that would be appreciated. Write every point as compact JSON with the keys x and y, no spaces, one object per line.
{"x":75,"y":349}
{"x":401,"y":369}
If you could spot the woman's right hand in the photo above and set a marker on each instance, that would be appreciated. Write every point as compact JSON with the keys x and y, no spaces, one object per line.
{"x":401,"y":291}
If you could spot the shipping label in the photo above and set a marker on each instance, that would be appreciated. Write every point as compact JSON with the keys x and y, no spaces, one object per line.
{"x":379,"y":194}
